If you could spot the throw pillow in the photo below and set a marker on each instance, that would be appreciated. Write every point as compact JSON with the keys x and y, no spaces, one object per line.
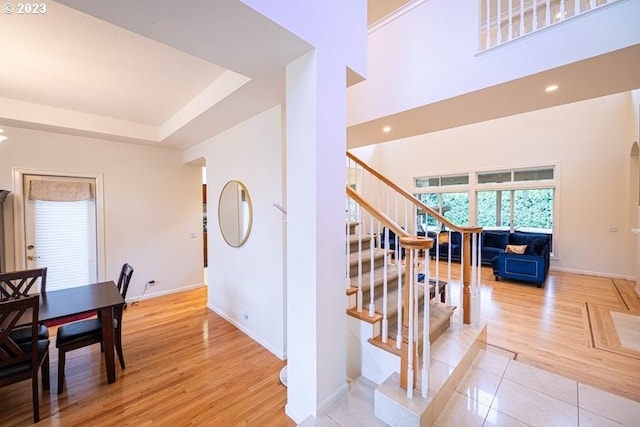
{"x":515,"y":249}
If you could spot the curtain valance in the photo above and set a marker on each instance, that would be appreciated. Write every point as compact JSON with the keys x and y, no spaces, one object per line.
{"x":60,"y":191}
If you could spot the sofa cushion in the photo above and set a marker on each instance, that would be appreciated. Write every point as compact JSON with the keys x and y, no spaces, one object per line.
{"x":536,"y":247}
{"x":489,"y":253}
{"x":495,"y":240}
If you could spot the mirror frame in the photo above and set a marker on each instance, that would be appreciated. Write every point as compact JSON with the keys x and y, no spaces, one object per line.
{"x":243,"y":225}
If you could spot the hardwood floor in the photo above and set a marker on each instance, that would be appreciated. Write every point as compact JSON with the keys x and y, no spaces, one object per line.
{"x":185,"y":366}
{"x":188,"y":366}
{"x":549,"y":328}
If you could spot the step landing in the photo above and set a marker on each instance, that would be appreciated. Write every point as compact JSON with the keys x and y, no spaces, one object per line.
{"x":451,"y":356}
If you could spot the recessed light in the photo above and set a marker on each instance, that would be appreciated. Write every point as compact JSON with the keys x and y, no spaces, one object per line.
{"x":386,"y":129}
{"x":551,"y":88}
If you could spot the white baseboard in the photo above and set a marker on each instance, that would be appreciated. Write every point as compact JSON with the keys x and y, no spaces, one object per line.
{"x":162,"y":293}
{"x":279,"y":354}
{"x":592,"y":273}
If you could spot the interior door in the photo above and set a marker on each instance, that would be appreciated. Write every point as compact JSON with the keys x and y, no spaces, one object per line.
{"x":61,"y":232}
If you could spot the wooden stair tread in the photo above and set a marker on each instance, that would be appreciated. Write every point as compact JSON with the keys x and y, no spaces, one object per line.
{"x":364,"y":315}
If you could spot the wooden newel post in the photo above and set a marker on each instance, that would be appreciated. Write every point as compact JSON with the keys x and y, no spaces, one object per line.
{"x":409,"y":244}
{"x":466,"y":280}
{"x":466,"y":266}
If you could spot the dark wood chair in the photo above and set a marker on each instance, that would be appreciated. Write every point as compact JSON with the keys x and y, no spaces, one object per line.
{"x":16,"y":284}
{"x":72,"y":336}
{"x":21,"y":361}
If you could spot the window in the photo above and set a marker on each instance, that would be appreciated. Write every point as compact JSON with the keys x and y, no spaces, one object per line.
{"x":516,"y":200}
{"x":453,"y":206}
{"x":439,"y":181}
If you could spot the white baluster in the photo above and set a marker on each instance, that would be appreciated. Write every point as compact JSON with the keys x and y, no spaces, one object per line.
{"x":592,"y":4}
{"x":521,"y":18}
{"x":461,"y":279}
{"x":488,"y":26}
{"x":562,"y":11}
{"x":385,"y":321}
{"x":426,"y":344}
{"x":359,"y":294}
{"x":476,"y":309}
{"x":498,"y":23}
{"x":510,"y":20}
{"x":474,"y":275}
{"x":348,"y":264}
{"x":534,"y":18}
{"x":449,"y":268}
{"x":400,"y":278}
{"x":372,"y":308}
{"x":547,"y":13}
{"x":410,"y":340}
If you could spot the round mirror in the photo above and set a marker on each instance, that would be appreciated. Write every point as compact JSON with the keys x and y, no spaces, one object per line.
{"x":235,"y":213}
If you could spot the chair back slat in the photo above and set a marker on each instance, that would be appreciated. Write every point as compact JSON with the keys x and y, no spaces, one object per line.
{"x":15,"y":284}
{"x":13,"y":314}
{"x":125,"y":277}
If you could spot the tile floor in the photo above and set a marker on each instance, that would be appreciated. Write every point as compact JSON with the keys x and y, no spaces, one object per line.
{"x":499,"y":391}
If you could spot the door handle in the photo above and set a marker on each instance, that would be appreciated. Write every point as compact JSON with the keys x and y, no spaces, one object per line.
{"x":32,"y":258}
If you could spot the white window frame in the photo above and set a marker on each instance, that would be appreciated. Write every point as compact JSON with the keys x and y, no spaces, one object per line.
{"x":473,"y":187}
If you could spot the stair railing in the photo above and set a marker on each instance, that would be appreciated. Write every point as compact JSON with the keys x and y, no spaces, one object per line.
{"x":408,"y":295}
{"x":400,"y":205}
{"x":503,"y":21}
{"x":380,"y":207}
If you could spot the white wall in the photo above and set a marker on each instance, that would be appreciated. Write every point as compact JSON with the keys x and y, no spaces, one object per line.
{"x":590,"y":142}
{"x":248,"y":279}
{"x":152,"y":202}
{"x":431,"y":53}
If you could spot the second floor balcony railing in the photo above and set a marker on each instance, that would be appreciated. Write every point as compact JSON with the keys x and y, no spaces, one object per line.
{"x":505,"y":20}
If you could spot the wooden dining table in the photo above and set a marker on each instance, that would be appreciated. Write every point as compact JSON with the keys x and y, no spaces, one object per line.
{"x":102,"y":297}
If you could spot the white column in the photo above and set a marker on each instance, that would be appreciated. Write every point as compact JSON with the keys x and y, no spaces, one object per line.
{"x":316,"y":320}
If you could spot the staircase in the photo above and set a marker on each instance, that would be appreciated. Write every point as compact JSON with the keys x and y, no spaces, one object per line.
{"x":417,"y":359}
{"x":439,"y":313}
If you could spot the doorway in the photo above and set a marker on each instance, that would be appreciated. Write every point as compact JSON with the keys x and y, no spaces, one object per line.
{"x":60,"y":227}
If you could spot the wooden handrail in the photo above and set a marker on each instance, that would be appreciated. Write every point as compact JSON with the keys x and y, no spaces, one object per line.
{"x":413,"y":199}
{"x":385,"y":220}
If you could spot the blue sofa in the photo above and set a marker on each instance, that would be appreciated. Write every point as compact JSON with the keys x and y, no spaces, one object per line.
{"x":530,"y":266}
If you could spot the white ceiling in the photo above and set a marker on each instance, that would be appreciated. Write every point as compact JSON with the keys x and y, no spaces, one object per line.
{"x":149,"y":71}
{"x":154,"y":72}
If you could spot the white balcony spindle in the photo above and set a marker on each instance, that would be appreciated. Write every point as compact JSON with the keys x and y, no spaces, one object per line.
{"x":547,"y":13}
{"x":510,"y":30}
{"x":592,"y":4}
{"x":534,"y":18}
{"x":576,"y":7}
{"x":488,"y":25}
{"x":521,"y":17}
{"x":562,"y":10}
{"x":498,"y":23}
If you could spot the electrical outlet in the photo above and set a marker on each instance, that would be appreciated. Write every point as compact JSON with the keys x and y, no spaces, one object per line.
{"x":245,"y":315}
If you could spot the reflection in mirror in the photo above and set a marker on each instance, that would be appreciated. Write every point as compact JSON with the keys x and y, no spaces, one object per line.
{"x":235,"y":213}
